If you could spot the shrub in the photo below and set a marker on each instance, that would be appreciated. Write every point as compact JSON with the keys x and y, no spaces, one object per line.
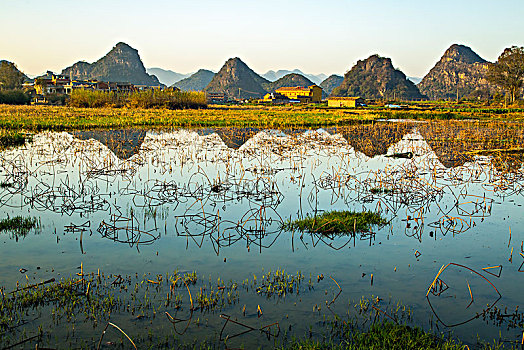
{"x":141,"y":99}
{"x":14,"y":97}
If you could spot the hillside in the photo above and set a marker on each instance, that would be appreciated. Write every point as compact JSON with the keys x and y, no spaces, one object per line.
{"x":460,"y":70}
{"x":167,"y":77}
{"x":197,"y":81}
{"x":333,"y":81}
{"x":376,"y":78}
{"x":10,"y":76}
{"x":289,"y":80}
{"x":273,"y":76}
{"x":236,"y":79}
{"x":121,"y":64}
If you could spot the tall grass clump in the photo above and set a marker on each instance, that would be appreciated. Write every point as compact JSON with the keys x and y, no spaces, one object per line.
{"x":9,"y":138}
{"x":171,"y":99}
{"x":381,"y":335}
{"x":18,"y":225}
{"x":336,"y":222}
{"x":83,"y":98}
{"x":14,"y":97}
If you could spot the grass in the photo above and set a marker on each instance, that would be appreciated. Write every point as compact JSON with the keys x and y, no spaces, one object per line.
{"x":383,"y":335}
{"x":39,"y":118}
{"x":18,"y":225}
{"x":279,"y":283}
{"x":380,"y":190}
{"x":12,"y":138}
{"x":336,"y":222}
{"x":56,"y":118}
{"x":168,"y":98}
{"x":97,"y":298}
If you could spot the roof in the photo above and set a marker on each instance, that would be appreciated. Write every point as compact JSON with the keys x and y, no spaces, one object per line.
{"x":344,"y":98}
{"x":297,"y":88}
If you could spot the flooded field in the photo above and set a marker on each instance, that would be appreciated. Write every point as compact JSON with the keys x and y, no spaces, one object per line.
{"x":176,"y":236}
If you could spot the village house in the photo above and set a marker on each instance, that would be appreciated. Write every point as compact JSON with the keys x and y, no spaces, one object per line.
{"x":277,"y":98}
{"x":216,"y":97}
{"x":348,"y":102}
{"x":308,"y":94}
{"x":50,"y":84}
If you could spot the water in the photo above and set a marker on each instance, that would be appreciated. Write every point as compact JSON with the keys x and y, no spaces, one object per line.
{"x":141,"y":203}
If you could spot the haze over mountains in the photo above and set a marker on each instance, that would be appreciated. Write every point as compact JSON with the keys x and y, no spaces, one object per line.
{"x":167,"y":77}
{"x":273,"y":76}
{"x":195,"y":82}
{"x":330,"y":83}
{"x":459,"y":73}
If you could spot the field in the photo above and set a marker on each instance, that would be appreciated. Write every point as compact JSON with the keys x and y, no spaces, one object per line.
{"x":290,"y":228}
{"x":39,"y":118}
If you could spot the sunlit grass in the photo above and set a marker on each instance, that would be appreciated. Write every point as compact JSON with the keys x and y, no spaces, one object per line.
{"x":336,"y":222}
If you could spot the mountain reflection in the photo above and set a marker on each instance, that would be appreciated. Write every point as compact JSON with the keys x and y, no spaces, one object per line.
{"x":124,"y":143}
{"x":454,"y":143}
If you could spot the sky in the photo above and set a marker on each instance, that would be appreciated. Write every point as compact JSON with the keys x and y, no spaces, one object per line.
{"x":327,"y":36}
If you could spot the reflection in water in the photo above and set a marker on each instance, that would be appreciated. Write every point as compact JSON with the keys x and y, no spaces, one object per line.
{"x":123,"y":143}
{"x":193,"y":195}
{"x":373,"y":139}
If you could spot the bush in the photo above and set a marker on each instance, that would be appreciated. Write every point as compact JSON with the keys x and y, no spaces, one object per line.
{"x":95,"y":99}
{"x":14,"y":97}
{"x":167,"y":99}
{"x":142,"y":99}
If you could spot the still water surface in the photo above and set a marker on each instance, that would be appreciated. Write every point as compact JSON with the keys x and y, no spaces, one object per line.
{"x":142,"y":203}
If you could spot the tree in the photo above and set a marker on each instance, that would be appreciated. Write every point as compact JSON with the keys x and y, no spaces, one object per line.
{"x":10,"y":76}
{"x":508,"y":71}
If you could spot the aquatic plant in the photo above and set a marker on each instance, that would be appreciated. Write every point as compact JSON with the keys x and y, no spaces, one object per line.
{"x":18,"y":225}
{"x":336,"y":222}
{"x":9,"y":138}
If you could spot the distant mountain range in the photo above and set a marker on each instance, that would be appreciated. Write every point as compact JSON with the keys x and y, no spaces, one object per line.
{"x":272,"y":75}
{"x":289,"y":80}
{"x":195,"y":82}
{"x":333,"y":81}
{"x":121,"y":64}
{"x":236,"y":79}
{"x":167,"y":77}
{"x":459,"y":73}
{"x":415,"y":80}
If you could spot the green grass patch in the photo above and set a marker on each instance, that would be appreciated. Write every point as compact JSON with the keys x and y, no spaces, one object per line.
{"x":336,"y":222}
{"x":380,"y":190}
{"x":12,"y":138}
{"x":18,"y":226}
{"x":384,"y":335}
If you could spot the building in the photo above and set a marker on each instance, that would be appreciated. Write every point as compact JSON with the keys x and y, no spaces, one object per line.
{"x":308,"y":94}
{"x":216,"y":97}
{"x":350,"y":102}
{"x":50,"y":83}
{"x":96,"y":85}
{"x":277,"y":98}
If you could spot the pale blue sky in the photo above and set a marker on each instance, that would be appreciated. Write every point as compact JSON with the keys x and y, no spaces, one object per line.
{"x":326,"y":36}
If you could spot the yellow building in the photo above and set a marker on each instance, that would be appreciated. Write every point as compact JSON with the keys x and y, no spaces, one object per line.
{"x":308,"y":94}
{"x":351,"y":102}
